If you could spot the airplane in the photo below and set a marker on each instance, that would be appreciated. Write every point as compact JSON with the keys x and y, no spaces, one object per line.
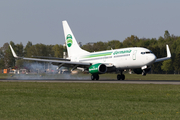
{"x":138,"y":59}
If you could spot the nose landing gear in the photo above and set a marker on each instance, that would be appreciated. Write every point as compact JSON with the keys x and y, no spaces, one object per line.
{"x":144,"y":73}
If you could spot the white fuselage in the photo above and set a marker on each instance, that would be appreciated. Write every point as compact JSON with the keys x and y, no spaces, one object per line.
{"x":125,"y":58}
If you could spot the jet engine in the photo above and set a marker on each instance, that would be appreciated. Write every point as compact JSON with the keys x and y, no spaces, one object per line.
{"x":97,"y":68}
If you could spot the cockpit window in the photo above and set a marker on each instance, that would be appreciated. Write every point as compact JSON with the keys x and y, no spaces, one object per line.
{"x":146,"y":52}
{"x":142,"y":52}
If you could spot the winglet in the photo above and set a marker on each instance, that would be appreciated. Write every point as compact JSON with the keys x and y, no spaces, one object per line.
{"x":14,"y":54}
{"x":165,"y":58}
{"x":168,"y":51}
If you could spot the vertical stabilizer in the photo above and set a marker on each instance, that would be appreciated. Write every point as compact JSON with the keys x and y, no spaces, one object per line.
{"x":71,"y":43}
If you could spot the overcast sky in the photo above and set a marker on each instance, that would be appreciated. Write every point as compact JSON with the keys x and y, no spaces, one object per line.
{"x":40,"y":21}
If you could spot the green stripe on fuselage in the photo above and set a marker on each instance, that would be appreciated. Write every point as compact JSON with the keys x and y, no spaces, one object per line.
{"x":117,"y":52}
{"x":97,"y":55}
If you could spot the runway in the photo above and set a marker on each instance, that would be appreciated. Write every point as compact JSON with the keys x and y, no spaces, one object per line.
{"x":173,"y":82}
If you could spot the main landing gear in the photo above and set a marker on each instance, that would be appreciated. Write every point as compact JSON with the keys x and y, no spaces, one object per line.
{"x":121,"y":76}
{"x":94,"y":77}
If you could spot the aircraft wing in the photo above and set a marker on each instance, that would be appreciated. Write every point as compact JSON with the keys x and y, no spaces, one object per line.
{"x":53,"y":58}
{"x":165,"y":58}
{"x":62,"y":62}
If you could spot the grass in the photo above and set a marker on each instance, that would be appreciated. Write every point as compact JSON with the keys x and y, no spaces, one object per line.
{"x":147,"y":77}
{"x":153,"y":77}
{"x":88,"y":101}
{"x":4,"y":75}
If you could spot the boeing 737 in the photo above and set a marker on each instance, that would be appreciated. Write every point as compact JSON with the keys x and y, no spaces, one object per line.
{"x":138,"y":59}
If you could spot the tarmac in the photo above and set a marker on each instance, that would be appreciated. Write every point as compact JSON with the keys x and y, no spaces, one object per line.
{"x":172,"y":82}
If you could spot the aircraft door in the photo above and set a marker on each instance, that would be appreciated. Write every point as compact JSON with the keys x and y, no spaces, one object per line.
{"x":134,"y":55}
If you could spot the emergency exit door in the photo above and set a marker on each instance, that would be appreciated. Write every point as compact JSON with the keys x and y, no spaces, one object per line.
{"x":134,"y":55}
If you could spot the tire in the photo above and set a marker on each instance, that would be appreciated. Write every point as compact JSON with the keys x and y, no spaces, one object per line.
{"x":92,"y":77}
{"x":97,"y":77}
{"x":118,"y":77}
{"x":123,"y":77}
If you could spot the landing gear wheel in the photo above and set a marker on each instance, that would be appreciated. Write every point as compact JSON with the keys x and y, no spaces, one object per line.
{"x":118,"y":77}
{"x":94,"y":76}
{"x":97,"y":77}
{"x":121,"y":77}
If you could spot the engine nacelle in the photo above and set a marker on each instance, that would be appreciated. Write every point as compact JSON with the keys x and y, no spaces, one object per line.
{"x":139,"y":70}
{"x":98,"y":68}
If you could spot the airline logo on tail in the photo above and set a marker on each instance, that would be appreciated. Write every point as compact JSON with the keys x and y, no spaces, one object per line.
{"x":69,"y":41}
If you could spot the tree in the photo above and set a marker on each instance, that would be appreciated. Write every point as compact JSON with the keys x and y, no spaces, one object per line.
{"x":131,"y":41}
{"x":156,"y":67}
{"x":20,"y":52}
{"x":1,"y":53}
{"x":37,"y":50}
{"x":26,"y":49}
{"x":166,"y":34}
{"x":49,"y":49}
{"x":20,"y":63}
{"x":88,"y":47}
{"x":176,"y":63}
{"x":99,"y":46}
{"x":161,"y":42}
{"x":5,"y":47}
{"x":9,"y":60}
{"x":58,"y":50}
{"x":114,"y":44}
{"x":167,"y":65}
{"x":19,"y":49}
{"x":2,"y":63}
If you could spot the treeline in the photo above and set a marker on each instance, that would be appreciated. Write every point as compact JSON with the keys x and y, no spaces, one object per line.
{"x":157,"y":46}
{"x":8,"y":61}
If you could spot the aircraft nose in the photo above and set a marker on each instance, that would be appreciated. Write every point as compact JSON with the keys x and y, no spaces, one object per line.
{"x":153,"y":57}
